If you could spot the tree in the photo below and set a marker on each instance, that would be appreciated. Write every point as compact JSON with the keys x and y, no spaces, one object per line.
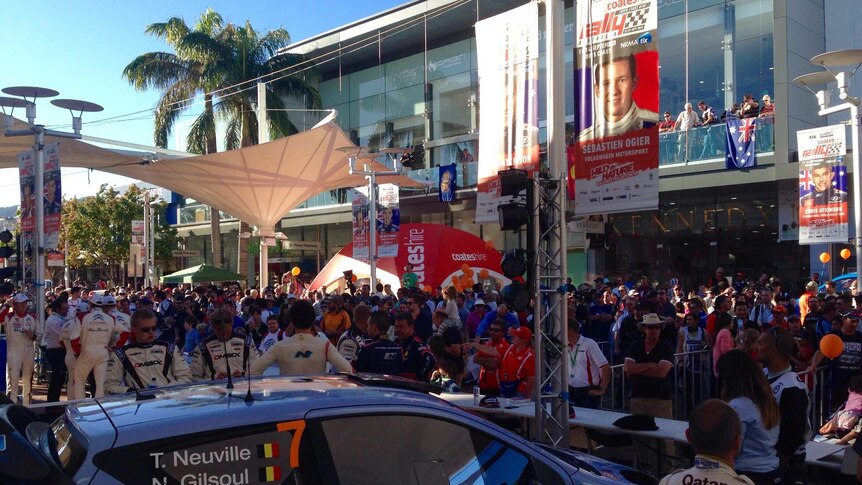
{"x":99,"y":229}
{"x":219,"y":61}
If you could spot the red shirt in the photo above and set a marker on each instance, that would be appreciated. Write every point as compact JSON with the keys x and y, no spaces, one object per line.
{"x":518,"y":366}
{"x":490,"y":379}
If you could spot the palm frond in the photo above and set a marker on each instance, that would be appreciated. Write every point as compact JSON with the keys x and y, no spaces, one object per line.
{"x":272,"y":41}
{"x":210,"y":22}
{"x":200,"y":132}
{"x":157,"y":70}
{"x":176,"y":99}
{"x":279,"y":122}
{"x":233,"y":133}
{"x":172,"y":31}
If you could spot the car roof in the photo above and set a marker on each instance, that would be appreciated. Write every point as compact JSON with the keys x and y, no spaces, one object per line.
{"x":191,"y":408}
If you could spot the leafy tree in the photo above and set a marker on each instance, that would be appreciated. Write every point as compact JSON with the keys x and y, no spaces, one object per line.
{"x":218,"y":61}
{"x":99,"y":229}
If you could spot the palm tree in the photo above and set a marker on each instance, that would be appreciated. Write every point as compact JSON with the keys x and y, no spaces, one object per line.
{"x":218,"y":61}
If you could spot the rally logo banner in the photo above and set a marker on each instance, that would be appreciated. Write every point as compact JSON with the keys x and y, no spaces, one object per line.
{"x":507,"y":46}
{"x":613,"y":157}
{"x":388,"y":221}
{"x":360,"y":226}
{"x":53,"y":198}
{"x":823,"y":196}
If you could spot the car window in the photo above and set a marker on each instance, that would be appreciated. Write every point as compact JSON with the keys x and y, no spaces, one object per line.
{"x":419,"y":450}
{"x":71,"y":451}
{"x":250,"y":455}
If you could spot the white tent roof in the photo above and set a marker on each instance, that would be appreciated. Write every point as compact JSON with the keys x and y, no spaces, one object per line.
{"x":258,"y":184}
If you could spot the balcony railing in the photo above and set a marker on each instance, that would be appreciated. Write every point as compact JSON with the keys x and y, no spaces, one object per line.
{"x":707,"y":143}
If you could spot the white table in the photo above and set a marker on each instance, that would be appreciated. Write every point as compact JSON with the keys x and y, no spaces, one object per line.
{"x":824,"y":454}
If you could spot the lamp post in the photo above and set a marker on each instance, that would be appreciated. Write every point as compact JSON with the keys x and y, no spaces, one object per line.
{"x":829,"y":61}
{"x":353,"y":153}
{"x":38,"y":132}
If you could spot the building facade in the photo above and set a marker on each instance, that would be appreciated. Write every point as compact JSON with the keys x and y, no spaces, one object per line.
{"x":408,"y":77}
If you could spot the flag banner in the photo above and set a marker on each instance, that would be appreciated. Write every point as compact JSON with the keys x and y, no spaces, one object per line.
{"x":360,"y":226}
{"x":507,"y":48}
{"x":447,"y":183}
{"x":739,"y":143}
{"x":823,"y":196}
{"x":613,"y":157}
{"x":388,"y":221}
{"x":53,"y":195}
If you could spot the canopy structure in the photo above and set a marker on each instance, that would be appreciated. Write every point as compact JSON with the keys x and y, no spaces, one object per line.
{"x":439,"y":254}
{"x":259,"y":184}
{"x":202,"y":274}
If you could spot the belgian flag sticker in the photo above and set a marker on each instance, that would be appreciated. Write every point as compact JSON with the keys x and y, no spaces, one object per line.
{"x":268,"y":450}
{"x":270,"y":474}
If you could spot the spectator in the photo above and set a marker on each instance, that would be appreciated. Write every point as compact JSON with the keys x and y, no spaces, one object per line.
{"x":518,"y":364}
{"x":446,"y":376}
{"x":419,"y":362}
{"x":746,"y":390}
{"x":715,"y":433}
{"x":761,"y":314}
{"x":844,"y":423}
{"x":692,"y":342}
{"x":409,"y":279}
{"x":490,"y":357}
{"x":774,"y":349}
{"x":749,"y":108}
{"x":625,"y":330}
{"x":723,"y":339}
{"x":589,"y":371}
{"x":475,"y":317}
{"x":335,"y":320}
{"x":686,"y":120}
{"x":502,"y":313}
{"x":667,"y":123}
{"x":804,"y":350}
{"x":846,"y":365}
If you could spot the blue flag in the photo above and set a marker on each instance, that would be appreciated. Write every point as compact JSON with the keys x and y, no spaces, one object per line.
{"x":447,"y":183}
{"x":739,"y":143}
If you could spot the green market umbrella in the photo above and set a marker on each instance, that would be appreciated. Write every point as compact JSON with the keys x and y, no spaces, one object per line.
{"x":202,"y":274}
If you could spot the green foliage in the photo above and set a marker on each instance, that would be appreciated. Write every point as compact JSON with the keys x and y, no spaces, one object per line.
{"x":99,"y":228}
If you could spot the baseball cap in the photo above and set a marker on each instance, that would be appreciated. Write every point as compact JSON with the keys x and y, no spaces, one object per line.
{"x":522,"y":333}
{"x":121,"y":291}
{"x":479,"y":301}
{"x":109,"y":300}
{"x":852,"y":315}
{"x":82,"y":307}
{"x":97,"y":299}
{"x":20,"y":298}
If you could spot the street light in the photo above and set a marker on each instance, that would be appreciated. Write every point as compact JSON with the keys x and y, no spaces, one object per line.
{"x":353,"y":153}
{"x":829,"y":61}
{"x":21,"y":100}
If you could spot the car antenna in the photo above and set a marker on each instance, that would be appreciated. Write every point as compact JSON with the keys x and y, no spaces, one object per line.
{"x":248,"y":397}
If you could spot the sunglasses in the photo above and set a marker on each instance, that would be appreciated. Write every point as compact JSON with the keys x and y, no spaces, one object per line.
{"x":147,"y":329}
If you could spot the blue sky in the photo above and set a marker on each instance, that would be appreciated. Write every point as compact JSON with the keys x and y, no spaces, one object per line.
{"x":80,"y":48}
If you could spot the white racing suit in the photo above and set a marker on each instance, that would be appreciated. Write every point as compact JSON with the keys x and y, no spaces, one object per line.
{"x":706,"y":470}
{"x":136,"y":365}
{"x":71,"y":331}
{"x":122,"y":319}
{"x":20,"y":354}
{"x":214,"y":359}
{"x":98,"y":331}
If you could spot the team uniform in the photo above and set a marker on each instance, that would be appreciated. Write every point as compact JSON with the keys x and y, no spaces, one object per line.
{"x":791,"y":394}
{"x":634,"y":119}
{"x":302,"y":354}
{"x":515,"y":367}
{"x":20,"y":335}
{"x":381,"y":356}
{"x":122,"y":319}
{"x":136,"y":366}
{"x":706,"y":470}
{"x":350,"y":342}
{"x":419,"y":362}
{"x":71,"y":330}
{"x":489,"y":380}
{"x":99,"y":332}
{"x":270,"y":339}
{"x":213,"y":358}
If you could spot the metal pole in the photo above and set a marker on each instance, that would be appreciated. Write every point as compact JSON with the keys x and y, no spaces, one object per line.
{"x":146,"y":275}
{"x":263,"y":137}
{"x":264,"y":260}
{"x":67,"y":277}
{"x":857,"y":191}
{"x":151,"y":251}
{"x":372,"y":225}
{"x":39,"y":183}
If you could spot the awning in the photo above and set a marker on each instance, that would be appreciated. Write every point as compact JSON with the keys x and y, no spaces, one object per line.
{"x":202,"y":274}
{"x":259,"y":184}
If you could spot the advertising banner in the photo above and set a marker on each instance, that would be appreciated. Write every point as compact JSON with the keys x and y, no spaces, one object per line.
{"x":446,"y":176}
{"x":823,"y":197}
{"x":613,"y":157}
{"x":388,"y":220}
{"x":53,"y":195}
{"x":26,"y":175}
{"x":507,"y":48}
{"x":360,"y":226}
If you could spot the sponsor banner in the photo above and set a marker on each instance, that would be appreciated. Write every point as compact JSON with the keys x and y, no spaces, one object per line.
{"x":56,"y":259}
{"x":613,"y":160}
{"x":821,"y":143}
{"x":53,"y":195}
{"x":360,"y":226}
{"x":26,"y":174}
{"x":388,"y":220}
{"x":507,"y":47}
{"x":823,"y":201}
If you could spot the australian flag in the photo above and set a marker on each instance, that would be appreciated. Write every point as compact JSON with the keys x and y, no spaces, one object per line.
{"x":447,"y":183}
{"x":739,"y":143}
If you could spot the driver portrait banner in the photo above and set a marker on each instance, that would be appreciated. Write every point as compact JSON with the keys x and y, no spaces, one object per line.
{"x":361,"y":228}
{"x":507,"y":49}
{"x":388,"y":221}
{"x":823,"y":195}
{"x":613,"y":155}
{"x":52,"y":196}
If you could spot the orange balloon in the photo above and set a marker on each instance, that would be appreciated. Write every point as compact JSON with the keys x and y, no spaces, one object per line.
{"x":831,"y":345}
{"x":455,"y":279}
{"x":825,"y":257}
{"x":465,"y":267}
{"x":469,"y":272}
{"x":489,"y":244}
{"x":353,"y":278}
{"x":483,"y":274}
{"x":295,"y":271}
{"x":426,"y":289}
{"x":845,"y":254}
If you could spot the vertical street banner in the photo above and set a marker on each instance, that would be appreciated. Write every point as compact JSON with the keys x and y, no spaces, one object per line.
{"x":26,"y":175}
{"x":53,"y":195}
{"x":823,"y":197}
{"x":360,"y":227}
{"x":388,"y":221}
{"x":507,"y":47}
{"x":613,"y":155}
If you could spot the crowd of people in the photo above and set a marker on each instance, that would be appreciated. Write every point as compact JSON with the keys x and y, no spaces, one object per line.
{"x":757,"y":335}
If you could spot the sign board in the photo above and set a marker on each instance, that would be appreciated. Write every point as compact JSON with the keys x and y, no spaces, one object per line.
{"x":179,"y":253}
{"x":301,"y":245}
{"x":56,"y":259}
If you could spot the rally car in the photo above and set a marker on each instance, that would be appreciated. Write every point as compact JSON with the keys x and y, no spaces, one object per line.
{"x":336,"y":429}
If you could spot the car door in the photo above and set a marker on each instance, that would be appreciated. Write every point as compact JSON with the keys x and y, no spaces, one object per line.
{"x":419,"y":446}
